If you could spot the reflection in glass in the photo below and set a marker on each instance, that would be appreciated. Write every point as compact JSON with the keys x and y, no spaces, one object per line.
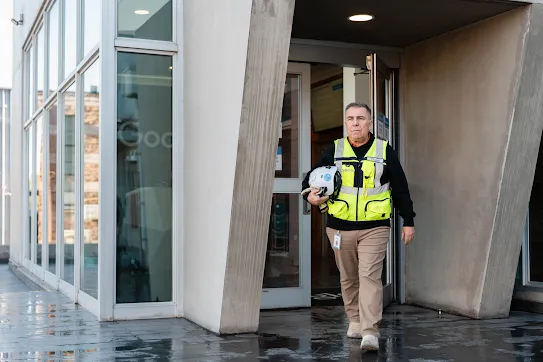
{"x":145,"y":19}
{"x":282,"y":268}
{"x":52,"y":190}
{"x":286,"y":161}
{"x":39,"y":189}
{"x":53,"y":47}
{"x":41,"y":67}
{"x":70,"y":34}
{"x":68,"y":185}
{"x":144,"y":178}
{"x":92,"y":25}
{"x":30,"y":191}
{"x":30,"y":82}
{"x":91,"y":173}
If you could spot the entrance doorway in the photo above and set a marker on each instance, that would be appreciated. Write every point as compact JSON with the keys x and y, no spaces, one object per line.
{"x":300,"y":268}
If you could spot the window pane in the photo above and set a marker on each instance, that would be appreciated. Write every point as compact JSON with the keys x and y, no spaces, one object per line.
{"x":30,"y":182}
{"x":39,"y":189}
{"x":92,"y":25}
{"x":70,"y":34}
{"x":283,"y":253}
{"x":68,"y":185}
{"x":287,"y":157}
{"x":41,"y":67}
{"x":53,"y":47}
{"x":52,"y":189}
{"x":145,"y":19}
{"x":30,"y":82}
{"x":144,"y":178}
{"x":6,"y":166}
{"x":91,"y":102}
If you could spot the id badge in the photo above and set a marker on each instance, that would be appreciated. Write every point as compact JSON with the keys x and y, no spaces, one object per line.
{"x":337,"y":240}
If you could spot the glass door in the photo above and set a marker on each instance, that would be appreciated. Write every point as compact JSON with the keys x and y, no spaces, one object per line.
{"x":382,"y":84}
{"x":287,"y":274}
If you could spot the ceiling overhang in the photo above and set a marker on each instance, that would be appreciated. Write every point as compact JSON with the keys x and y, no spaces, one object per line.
{"x":396,"y":23}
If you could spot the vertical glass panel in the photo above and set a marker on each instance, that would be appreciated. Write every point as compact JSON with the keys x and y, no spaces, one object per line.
{"x":39,"y":189}
{"x":52,"y":191}
{"x":30,"y":81}
{"x":145,"y":19}
{"x":68,"y":185}
{"x":70,"y":36}
{"x":6,"y":168}
{"x":536,"y":222}
{"x":30,"y":182}
{"x":282,"y":268}
{"x":41,"y":66}
{"x":91,"y":25}
{"x":287,"y":157}
{"x":53,"y":47}
{"x":144,"y":178}
{"x":91,"y":145}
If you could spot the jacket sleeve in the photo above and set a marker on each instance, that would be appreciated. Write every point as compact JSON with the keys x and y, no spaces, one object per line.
{"x":400,"y":188}
{"x":326,"y":159}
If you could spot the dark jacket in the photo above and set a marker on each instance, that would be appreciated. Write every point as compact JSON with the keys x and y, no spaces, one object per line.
{"x":393,"y":173}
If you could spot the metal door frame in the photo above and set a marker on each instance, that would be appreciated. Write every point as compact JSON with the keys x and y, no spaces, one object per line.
{"x":297,"y":296}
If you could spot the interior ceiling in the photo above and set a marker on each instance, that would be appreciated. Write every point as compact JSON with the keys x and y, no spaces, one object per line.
{"x":397,"y":23}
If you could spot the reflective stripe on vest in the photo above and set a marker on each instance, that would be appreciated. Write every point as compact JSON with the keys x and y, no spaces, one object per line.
{"x":361,"y":203}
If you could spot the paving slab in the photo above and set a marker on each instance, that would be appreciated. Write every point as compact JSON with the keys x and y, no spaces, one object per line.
{"x":37,"y":325}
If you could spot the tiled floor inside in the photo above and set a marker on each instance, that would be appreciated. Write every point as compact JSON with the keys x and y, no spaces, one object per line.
{"x":46,"y":326}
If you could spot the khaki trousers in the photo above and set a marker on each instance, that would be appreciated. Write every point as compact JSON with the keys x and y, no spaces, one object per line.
{"x":360,"y":263}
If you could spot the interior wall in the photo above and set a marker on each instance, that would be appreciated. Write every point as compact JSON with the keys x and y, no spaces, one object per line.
{"x":459,"y":91}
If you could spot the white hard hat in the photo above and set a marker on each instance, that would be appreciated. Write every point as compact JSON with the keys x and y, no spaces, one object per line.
{"x":327,"y":179}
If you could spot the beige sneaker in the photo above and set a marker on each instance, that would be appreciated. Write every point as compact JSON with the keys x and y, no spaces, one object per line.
{"x":354,"y":330}
{"x":369,"y":343}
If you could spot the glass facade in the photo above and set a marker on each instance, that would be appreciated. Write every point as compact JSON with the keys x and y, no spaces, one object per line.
{"x":62,"y":144}
{"x":68,"y":124}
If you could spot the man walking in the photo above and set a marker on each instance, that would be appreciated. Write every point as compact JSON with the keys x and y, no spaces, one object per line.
{"x":359,"y":218}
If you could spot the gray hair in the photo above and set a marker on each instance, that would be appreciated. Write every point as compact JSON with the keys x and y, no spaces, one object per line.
{"x":358,"y":105}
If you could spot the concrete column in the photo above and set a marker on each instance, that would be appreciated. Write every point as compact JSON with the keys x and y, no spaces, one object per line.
{"x":473,"y":116}
{"x":235,"y":54}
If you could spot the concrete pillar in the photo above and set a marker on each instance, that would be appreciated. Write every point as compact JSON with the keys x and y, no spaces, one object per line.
{"x":473,"y":116}
{"x":235,"y":68}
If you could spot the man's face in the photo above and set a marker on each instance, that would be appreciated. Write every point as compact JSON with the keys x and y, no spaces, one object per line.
{"x":358,"y":122}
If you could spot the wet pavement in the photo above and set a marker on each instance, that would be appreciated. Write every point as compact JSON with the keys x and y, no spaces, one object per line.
{"x":46,"y":326}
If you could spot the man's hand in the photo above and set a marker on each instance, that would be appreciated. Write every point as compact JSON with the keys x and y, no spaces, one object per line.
{"x":408,"y":233}
{"x":314,"y":199}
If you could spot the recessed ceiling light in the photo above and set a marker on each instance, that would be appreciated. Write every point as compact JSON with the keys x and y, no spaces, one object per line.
{"x":361,"y":17}
{"x":141,"y":12}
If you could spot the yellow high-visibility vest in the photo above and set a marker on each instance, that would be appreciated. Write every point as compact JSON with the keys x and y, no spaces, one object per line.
{"x":372,"y":201}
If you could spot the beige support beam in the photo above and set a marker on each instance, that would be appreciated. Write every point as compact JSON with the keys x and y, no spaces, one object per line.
{"x":267,"y":59}
{"x":473,"y":117}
